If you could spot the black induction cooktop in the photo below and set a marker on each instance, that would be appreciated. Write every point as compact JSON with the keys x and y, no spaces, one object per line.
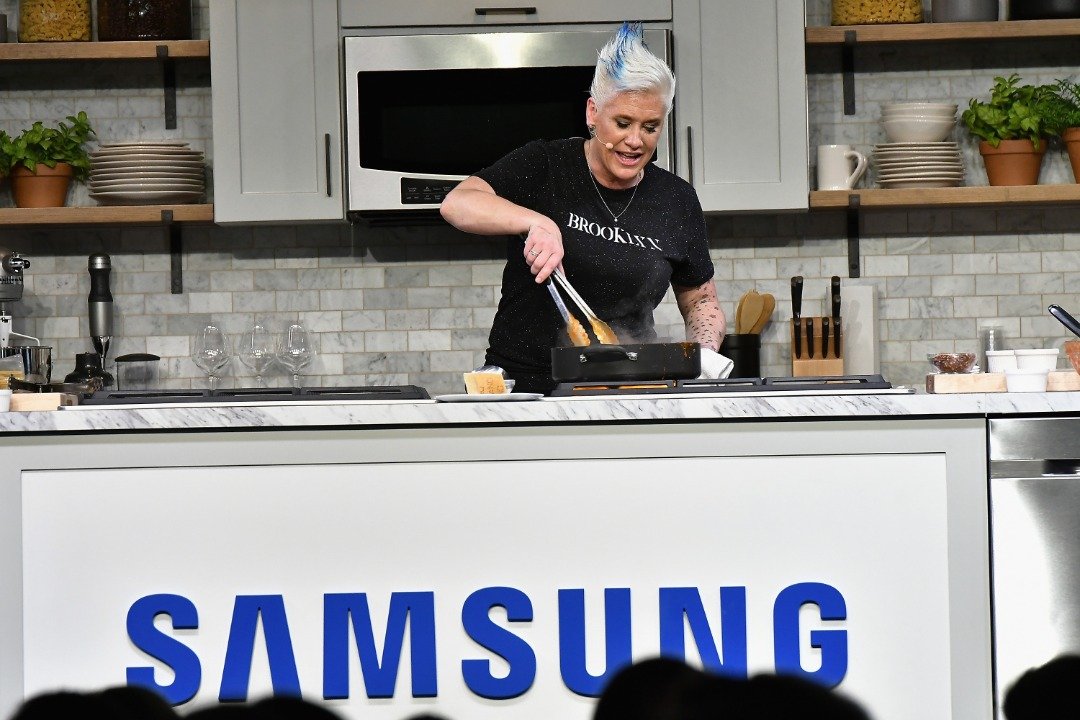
{"x":256,"y":395}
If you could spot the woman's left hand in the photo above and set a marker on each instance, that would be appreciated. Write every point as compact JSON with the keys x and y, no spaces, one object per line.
{"x":543,"y":249}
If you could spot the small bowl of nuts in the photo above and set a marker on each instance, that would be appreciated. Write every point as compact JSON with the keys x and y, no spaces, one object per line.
{"x":952,"y":363}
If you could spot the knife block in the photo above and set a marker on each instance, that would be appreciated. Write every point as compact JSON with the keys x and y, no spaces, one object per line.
{"x":817,"y":364}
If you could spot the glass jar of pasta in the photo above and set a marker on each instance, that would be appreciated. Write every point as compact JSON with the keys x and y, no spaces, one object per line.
{"x":144,"y":19}
{"x":54,"y":20}
{"x":866,"y":12}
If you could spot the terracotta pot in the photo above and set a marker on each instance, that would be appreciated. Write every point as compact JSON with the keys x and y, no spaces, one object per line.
{"x":1071,"y":138}
{"x":47,"y":187}
{"x":1013,"y":162}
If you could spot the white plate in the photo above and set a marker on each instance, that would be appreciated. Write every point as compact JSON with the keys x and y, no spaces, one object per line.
{"x":149,"y":197}
{"x":921,"y":183}
{"x":916,"y":174}
{"x":145,"y":143}
{"x":146,"y":187}
{"x":942,"y":145}
{"x":506,"y":397}
{"x":192,"y":174}
{"x":143,"y":164}
{"x":917,"y":164}
{"x":166,"y":156}
{"x":106,"y":184}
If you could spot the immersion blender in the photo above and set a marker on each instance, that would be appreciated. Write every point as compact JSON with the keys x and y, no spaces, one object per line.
{"x":100,"y":304}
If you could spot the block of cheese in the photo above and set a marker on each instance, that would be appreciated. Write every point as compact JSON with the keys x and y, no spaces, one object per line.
{"x":485,"y":383}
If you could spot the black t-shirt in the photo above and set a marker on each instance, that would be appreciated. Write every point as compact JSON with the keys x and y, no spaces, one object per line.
{"x":622,"y":269}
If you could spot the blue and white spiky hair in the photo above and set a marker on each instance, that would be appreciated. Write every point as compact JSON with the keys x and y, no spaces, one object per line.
{"x":626,"y":65}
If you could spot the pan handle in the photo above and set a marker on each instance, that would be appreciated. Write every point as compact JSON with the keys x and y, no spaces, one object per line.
{"x":606,"y":353}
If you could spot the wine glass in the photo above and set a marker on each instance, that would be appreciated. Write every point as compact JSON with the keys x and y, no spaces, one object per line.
{"x":295,"y":351}
{"x":211,"y":352}
{"x":257,"y":351}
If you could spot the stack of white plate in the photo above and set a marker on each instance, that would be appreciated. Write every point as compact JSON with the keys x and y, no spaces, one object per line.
{"x":918,"y":164}
{"x":146,"y":173}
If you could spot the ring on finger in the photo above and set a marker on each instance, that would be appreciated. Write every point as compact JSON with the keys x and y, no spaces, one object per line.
{"x":533,"y":253}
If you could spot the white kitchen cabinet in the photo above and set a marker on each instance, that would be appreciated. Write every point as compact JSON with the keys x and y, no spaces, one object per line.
{"x":740,"y":104}
{"x":478,"y":13}
{"x":277,"y":127}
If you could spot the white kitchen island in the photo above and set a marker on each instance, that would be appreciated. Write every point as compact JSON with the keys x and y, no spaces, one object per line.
{"x":498,"y":559}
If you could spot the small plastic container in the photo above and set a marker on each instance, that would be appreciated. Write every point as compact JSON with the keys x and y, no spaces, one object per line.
{"x":1026,"y":380}
{"x":952,"y":363}
{"x":54,"y":20}
{"x":5,"y":400}
{"x":1037,"y":359}
{"x":998,"y":361}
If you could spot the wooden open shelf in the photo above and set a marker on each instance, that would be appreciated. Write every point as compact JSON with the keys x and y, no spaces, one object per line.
{"x":944,"y":32}
{"x":119,"y":50}
{"x":106,"y":215}
{"x":953,"y":197}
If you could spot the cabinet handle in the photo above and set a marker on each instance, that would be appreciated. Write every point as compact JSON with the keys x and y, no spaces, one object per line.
{"x":506,"y":11}
{"x":329,"y":175}
{"x":690,"y":154}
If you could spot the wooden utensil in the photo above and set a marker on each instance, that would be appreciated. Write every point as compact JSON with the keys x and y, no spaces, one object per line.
{"x":768,"y":306}
{"x":750,"y":308}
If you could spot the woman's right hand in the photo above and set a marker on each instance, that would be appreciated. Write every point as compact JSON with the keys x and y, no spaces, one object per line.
{"x":543,"y":248}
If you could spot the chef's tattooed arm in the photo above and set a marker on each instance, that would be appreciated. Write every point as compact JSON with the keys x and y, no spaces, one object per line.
{"x":705,"y":322}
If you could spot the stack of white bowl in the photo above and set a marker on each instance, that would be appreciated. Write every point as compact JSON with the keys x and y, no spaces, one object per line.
{"x":147,"y":173}
{"x":917,"y":154}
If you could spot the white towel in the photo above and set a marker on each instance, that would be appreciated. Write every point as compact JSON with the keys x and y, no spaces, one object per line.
{"x":714,"y":365}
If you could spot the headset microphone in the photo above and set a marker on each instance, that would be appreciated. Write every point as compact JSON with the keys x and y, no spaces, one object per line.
{"x":592,"y":131}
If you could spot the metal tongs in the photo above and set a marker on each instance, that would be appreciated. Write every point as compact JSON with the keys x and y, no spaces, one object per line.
{"x":578,"y":335}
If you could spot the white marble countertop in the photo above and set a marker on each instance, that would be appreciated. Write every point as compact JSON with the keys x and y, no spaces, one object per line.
{"x":402,"y":413}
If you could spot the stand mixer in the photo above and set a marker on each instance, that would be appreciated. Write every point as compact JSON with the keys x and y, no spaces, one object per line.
{"x":11,"y":289}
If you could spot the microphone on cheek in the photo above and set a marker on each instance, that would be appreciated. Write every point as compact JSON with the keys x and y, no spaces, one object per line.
{"x":592,"y":131}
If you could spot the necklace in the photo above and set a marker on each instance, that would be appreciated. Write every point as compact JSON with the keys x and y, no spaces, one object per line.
{"x":614,"y":217}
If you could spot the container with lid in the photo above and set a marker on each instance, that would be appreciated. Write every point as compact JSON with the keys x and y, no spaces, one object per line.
{"x":54,"y":20}
{"x":144,"y":19}
{"x":866,"y":12}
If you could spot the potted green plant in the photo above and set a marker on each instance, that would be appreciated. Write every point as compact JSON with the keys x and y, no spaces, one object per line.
{"x":1062,"y":112}
{"x":42,"y":161}
{"x":1013,"y":130}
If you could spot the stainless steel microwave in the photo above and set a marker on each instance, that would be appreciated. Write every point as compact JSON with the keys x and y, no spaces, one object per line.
{"x":423,"y":112}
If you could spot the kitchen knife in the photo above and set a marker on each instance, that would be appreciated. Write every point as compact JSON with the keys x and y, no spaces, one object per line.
{"x":824,"y":337}
{"x":1065,"y":319}
{"x":837,"y":327}
{"x":796,"y":312}
{"x":810,"y":338}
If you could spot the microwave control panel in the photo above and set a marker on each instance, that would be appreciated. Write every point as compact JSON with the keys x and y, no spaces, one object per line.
{"x":421,"y":191}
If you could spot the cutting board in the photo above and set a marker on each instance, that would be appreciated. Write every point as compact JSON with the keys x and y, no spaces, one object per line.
{"x":28,"y":401}
{"x":942,"y":383}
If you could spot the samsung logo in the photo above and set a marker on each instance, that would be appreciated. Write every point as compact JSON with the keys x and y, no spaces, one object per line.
{"x":680,"y":610}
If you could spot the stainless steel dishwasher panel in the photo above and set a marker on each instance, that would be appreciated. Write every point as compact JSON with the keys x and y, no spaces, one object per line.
{"x":1035,"y":540}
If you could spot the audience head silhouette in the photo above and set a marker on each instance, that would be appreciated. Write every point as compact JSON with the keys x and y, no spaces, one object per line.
{"x":667,"y":689}
{"x":1049,"y":692}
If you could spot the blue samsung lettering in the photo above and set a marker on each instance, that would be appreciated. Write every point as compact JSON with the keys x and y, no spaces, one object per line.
{"x":417,"y":609}
{"x":236,"y":674}
{"x":478,"y":625}
{"x":181,"y":659}
{"x":617,"y":639}
{"x":832,"y":643}
{"x":677,"y":604}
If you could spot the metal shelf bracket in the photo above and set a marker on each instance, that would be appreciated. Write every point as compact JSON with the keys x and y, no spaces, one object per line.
{"x":853,"y":261}
{"x":168,"y":72}
{"x":176,"y":252}
{"x":847,"y":63}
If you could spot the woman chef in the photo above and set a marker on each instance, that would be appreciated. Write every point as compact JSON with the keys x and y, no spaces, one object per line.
{"x":623,"y":228}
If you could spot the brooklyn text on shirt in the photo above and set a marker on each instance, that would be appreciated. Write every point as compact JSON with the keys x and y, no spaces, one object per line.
{"x":612,"y":233}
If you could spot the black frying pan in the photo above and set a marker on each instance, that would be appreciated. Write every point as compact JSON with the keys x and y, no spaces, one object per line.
{"x":648,"y":361}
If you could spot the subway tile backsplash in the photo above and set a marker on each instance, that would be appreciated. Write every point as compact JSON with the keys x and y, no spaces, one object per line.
{"x":392,"y":305}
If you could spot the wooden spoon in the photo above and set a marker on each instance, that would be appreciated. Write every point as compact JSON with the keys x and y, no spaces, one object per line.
{"x":767,"y":308}
{"x":750,"y":309}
